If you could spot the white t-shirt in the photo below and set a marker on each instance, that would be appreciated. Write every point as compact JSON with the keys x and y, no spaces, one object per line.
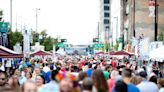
{"x":8,"y":63}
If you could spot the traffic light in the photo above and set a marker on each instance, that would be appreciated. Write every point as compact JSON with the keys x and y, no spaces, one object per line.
{"x":63,"y":40}
{"x":95,"y":39}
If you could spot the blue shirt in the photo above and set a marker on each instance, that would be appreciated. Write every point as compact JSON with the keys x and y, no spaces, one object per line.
{"x":132,"y":88}
{"x":89,"y":72}
{"x":47,"y":76}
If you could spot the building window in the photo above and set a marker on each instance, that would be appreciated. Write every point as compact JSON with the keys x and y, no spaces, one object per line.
{"x":106,"y":8}
{"x":106,"y":1}
{"x":106,"y":21}
{"x":106,"y":14}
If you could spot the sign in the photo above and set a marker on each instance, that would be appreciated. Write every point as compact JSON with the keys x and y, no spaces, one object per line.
{"x":26,"y":43}
{"x":61,"y":45}
{"x":151,"y":8}
{"x":98,"y":45}
{"x":4,"y":27}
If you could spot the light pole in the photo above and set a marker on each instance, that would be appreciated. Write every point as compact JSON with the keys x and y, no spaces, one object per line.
{"x":37,"y":9}
{"x":156,"y":21}
{"x":11,"y":13}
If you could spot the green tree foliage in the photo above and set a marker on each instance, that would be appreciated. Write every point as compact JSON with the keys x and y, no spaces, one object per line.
{"x":48,"y":43}
{"x":15,"y":37}
{"x":161,"y":36}
{"x":1,"y":15}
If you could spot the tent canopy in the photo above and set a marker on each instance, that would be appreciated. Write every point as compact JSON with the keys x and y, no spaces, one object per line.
{"x":41,"y":53}
{"x":7,"y":53}
{"x":157,"y":53}
{"x":123,"y":52}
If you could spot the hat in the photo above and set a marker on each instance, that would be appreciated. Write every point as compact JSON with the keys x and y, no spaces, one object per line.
{"x":143,"y":74}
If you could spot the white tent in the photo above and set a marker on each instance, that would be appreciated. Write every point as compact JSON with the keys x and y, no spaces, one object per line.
{"x":157,"y":53}
{"x":61,"y":51}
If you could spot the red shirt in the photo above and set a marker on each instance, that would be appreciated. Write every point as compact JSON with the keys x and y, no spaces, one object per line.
{"x":114,"y":63}
{"x":111,"y":83}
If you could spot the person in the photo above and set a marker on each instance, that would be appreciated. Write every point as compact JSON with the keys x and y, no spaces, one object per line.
{"x":46,"y":68}
{"x":66,"y":85}
{"x":134,"y":80}
{"x":126,"y":77}
{"x":153,"y":79}
{"x":52,"y":86}
{"x":120,"y":86}
{"x":28,"y":76}
{"x":87,"y":85}
{"x":8,"y":89}
{"x":36,"y":72}
{"x":90,"y":70}
{"x":3,"y":78}
{"x":2,"y":67}
{"x":111,"y":81}
{"x":161,"y":84}
{"x":13,"y":82}
{"x":99,"y":81}
{"x":40,"y":81}
{"x":47,"y":75}
{"x":29,"y":86}
{"x":81,"y":76}
{"x":106,"y":73}
{"x":146,"y":86}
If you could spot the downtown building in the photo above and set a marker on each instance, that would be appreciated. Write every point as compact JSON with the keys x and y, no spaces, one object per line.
{"x":104,"y":23}
{"x":131,"y":19}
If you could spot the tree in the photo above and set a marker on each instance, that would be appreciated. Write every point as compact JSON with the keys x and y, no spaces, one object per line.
{"x":161,"y":36}
{"x":15,"y":37}
{"x":48,"y":43}
{"x":1,"y":15}
{"x":35,"y":37}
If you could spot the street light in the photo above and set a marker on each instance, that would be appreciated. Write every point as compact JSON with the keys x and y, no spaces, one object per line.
{"x":37,"y":9}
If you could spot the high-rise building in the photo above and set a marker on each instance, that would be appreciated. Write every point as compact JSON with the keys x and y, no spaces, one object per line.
{"x":104,"y":24}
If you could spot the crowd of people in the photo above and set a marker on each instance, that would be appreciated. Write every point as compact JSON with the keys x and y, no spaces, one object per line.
{"x":72,"y":74}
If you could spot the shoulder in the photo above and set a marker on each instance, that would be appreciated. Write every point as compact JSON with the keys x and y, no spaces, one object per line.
{"x":133,"y":87}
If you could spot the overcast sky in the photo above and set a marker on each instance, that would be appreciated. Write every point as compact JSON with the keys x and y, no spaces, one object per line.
{"x":75,"y":20}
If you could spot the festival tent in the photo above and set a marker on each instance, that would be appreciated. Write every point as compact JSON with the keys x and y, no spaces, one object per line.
{"x":123,"y":52}
{"x":157,"y":53}
{"x":7,"y":53}
{"x":41,"y":53}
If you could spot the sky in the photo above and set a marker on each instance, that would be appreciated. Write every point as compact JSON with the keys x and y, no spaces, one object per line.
{"x":75,"y":20}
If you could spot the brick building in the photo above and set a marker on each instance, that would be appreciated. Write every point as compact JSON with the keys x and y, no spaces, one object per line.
{"x":136,"y":19}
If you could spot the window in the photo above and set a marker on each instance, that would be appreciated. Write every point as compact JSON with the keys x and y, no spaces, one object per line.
{"x":106,"y":21}
{"x":106,"y":14}
{"x":106,"y":1}
{"x":106,"y":7}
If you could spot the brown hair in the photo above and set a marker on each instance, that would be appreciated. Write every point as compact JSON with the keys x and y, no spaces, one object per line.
{"x":99,"y":81}
{"x":134,"y":80}
{"x":82,"y":75}
{"x":161,"y":82}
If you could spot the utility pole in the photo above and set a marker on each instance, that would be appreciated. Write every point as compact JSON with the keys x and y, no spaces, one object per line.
{"x":156,"y":21}
{"x":37,"y":9}
{"x":11,"y":13}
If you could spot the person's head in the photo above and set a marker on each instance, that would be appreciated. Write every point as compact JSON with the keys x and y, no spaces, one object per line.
{"x":37,"y":70}
{"x":126,"y":75}
{"x":17,"y":73}
{"x":82,"y":75}
{"x":53,"y":75}
{"x":99,"y":81}
{"x":114,"y":73}
{"x":40,"y":80}
{"x":135,"y":80}
{"x":153,"y":79}
{"x":28,"y":75}
{"x":29,"y":86}
{"x":121,"y":86}
{"x":87,"y":84}
{"x":3,"y":78}
{"x":89,"y":65}
{"x":142,"y":76}
{"x":161,"y":83}
{"x":66,"y":85}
